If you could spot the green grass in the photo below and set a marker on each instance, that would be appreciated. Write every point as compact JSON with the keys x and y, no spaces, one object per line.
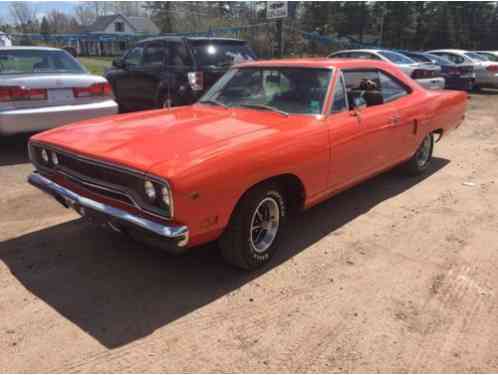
{"x":96,"y":65}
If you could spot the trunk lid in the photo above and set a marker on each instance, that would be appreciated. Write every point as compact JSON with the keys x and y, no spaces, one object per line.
{"x":59,"y":89}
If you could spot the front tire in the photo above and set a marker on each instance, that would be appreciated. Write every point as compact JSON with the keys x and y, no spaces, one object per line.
{"x":422,"y":158}
{"x":253,"y":233}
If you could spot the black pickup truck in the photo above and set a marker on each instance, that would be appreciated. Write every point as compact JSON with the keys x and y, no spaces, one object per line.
{"x":171,"y":71}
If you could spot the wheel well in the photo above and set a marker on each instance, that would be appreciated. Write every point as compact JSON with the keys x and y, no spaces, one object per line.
{"x":291,"y":186}
{"x":439,"y":132}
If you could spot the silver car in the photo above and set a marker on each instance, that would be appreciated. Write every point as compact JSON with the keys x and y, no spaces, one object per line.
{"x":426,"y":74}
{"x":490,"y":55}
{"x":486,"y":71}
{"x":41,"y":88}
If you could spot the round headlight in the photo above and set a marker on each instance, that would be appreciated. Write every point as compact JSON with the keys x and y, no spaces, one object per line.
{"x":44,"y":155}
{"x":165,"y":196}
{"x":55,"y":159}
{"x":150,"y":191}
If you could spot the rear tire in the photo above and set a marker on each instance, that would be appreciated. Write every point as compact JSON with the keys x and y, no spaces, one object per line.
{"x":422,"y":158}
{"x":253,"y":233}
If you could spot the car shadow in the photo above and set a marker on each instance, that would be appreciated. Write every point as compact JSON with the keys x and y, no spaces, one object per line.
{"x":117,"y":292}
{"x":14,"y":149}
{"x":485,"y":92}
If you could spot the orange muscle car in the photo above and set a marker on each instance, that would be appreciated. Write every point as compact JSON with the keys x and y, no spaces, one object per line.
{"x":269,"y":138}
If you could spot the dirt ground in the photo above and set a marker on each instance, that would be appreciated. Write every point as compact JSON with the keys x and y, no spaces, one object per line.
{"x":397,"y":274}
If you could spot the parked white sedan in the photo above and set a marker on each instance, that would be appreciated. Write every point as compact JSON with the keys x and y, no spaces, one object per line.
{"x":42,"y":88}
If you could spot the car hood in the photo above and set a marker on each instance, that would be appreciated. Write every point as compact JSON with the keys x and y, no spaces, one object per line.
{"x":179,"y":136}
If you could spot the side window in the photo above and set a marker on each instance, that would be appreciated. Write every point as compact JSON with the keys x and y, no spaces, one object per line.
{"x":155,"y":54}
{"x":340,"y":101}
{"x":454,"y":58}
{"x":390,"y":87}
{"x":364,"y":84}
{"x":355,"y":78}
{"x":134,"y":57}
{"x":179,"y":55}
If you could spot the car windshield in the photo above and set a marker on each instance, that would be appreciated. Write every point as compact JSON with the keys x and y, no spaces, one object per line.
{"x":220,"y":53}
{"x":281,"y":89}
{"x":475,"y":56}
{"x":27,"y":61}
{"x":396,"y":58}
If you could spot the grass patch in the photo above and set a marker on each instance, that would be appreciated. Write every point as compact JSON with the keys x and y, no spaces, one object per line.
{"x":96,"y":65}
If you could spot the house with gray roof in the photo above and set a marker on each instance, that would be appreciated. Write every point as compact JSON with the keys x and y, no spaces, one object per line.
{"x":113,"y":34}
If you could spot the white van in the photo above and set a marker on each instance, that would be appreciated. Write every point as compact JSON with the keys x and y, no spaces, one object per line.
{"x":5,"y":40}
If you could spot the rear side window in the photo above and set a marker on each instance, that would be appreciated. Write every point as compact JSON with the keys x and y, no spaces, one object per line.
{"x":219,"y":53}
{"x":155,"y":54}
{"x":180,"y":56}
{"x":391,"y":89}
{"x":374,"y":86}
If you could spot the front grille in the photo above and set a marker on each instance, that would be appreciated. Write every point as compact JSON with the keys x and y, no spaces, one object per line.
{"x":92,"y":172}
{"x":113,"y":182}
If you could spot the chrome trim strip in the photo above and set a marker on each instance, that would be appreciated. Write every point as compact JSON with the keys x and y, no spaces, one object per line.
{"x":167,"y":231}
{"x":106,"y":164}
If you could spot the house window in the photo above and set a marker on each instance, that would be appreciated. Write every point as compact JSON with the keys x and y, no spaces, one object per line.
{"x":119,"y":27}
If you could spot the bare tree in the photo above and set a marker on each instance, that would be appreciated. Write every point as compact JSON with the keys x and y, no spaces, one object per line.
{"x":85,"y":14}
{"x":24,"y":15}
{"x":58,"y":22}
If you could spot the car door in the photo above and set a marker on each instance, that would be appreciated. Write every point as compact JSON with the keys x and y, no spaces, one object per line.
{"x":125,"y":80}
{"x":404,"y":120}
{"x":179,"y":65}
{"x":148,"y":75}
{"x":361,"y":142}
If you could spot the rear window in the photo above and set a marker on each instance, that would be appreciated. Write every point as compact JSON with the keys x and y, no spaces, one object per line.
{"x":220,"y":54}
{"x":396,"y":58}
{"x":38,"y":62}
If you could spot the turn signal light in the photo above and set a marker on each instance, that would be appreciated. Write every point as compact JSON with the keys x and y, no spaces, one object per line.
{"x":97,"y":89}
{"x":17,"y":93}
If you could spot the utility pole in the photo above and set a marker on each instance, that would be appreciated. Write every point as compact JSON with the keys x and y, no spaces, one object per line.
{"x":280,"y":37}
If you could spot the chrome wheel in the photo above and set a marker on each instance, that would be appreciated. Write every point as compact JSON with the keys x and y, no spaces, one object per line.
{"x":265,"y":223}
{"x":424,"y":152}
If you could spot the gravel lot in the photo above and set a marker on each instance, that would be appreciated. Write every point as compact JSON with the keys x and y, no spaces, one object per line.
{"x":394,"y":275}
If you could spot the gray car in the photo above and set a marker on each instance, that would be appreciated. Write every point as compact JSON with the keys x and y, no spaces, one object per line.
{"x":426,"y":74}
{"x":42,"y":88}
{"x":486,"y":71}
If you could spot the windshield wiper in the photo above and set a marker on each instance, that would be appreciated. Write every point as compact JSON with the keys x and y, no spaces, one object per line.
{"x":215,"y":102}
{"x":264,"y":106}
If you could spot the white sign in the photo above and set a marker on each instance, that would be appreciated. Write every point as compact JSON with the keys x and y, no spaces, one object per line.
{"x":276,"y":9}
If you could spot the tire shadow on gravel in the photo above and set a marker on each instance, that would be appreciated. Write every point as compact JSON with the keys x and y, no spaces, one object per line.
{"x":118,"y":291}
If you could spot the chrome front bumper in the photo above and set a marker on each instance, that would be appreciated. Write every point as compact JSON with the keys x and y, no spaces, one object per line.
{"x":179,"y":234}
